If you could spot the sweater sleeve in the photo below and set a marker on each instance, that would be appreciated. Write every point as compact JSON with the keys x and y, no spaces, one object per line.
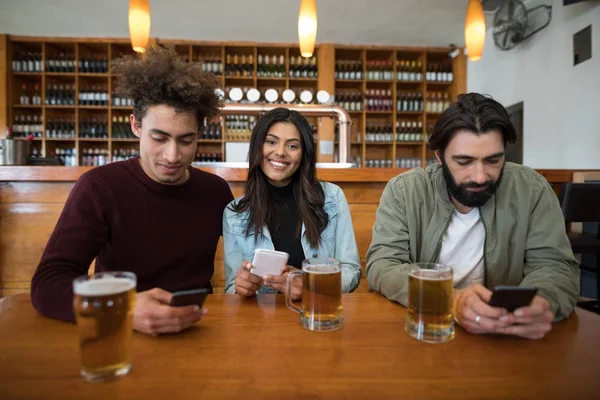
{"x":80,"y":233}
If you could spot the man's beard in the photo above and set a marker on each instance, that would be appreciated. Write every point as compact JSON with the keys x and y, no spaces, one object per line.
{"x":466,"y":197}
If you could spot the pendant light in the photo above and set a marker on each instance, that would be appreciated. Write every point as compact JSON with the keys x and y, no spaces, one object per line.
{"x":474,"y":30}
{"x":139,"y":24}
{"x":307,"y":27}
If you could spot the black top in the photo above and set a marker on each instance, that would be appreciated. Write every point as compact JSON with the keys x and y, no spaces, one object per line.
{"x":286,"y":236}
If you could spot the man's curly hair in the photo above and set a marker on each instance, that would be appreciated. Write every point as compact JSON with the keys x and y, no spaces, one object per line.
{"x":160,"y":77}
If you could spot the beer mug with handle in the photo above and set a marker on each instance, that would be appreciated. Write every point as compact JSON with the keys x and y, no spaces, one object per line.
{"x":321,"y":308}
{"x":103,"y":304}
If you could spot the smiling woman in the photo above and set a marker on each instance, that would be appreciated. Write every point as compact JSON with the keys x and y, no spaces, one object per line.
{"x":285,"y":208}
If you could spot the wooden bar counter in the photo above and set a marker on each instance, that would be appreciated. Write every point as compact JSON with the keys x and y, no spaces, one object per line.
{"x":31,"y":199}
{"x":255,"y":349}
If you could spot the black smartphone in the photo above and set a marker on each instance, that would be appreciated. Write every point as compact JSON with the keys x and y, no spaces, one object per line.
{"x":189,"y":297}
{"x":512,"y":297}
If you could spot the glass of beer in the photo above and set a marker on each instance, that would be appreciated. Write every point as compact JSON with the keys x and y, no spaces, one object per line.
{"x":430,"y":317}
{"x":321,"y":308}
{"x":103,"y":304}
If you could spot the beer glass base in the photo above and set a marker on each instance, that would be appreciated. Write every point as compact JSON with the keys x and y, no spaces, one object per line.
{"x":322,"y":326}
{"x":102,"y":377}
{"x":418,"y":331}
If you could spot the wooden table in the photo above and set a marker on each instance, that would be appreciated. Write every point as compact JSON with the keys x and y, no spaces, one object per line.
{"x":256,"y":349}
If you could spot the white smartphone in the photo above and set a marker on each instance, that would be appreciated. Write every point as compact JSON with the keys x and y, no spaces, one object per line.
{"x":268,"y":262}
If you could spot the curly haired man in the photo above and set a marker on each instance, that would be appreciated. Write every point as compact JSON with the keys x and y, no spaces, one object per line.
{"x":154,"y":215}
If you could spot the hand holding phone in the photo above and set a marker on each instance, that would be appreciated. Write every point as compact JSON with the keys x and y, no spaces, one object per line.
{"x":189,"y":297}
{"x":512,"y":297}
{"x":268,"y":262}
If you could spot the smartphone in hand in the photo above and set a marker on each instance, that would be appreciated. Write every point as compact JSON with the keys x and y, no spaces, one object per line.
{"x":268,"y":262}
{"x":512,"y":297}
{"x":189,"y":297}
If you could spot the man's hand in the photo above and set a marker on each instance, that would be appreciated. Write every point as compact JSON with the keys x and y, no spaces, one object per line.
{"x":473,"y":313}
{"x":279,"y":282}
{"x":531,"y":322}
{"x":246,"y":283}
{"x":153,"y":315}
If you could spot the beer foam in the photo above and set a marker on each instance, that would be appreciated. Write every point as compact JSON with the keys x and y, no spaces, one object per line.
{"x":321,"y":269}
{"x":427,"y":275}
{"x":103,"y":287}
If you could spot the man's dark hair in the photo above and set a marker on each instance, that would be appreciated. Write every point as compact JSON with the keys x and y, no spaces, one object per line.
{"x":159,"y":76}
{"x":475,"y":113}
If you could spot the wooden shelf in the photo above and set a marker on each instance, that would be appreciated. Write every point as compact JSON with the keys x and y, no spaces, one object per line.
{"x":265,"y":79}
{"x":408,"y":113}
{"x":330,"y":57}
{"x":439,"y":83}
{"x":93,"y":74}
{"x":66,"y":74}
{"x":380,"y":112}
{"x":379,"y":80}
{"x":125,"y":139}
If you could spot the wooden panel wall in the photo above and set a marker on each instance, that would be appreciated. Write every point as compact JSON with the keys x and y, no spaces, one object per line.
{"x":29,"y":211}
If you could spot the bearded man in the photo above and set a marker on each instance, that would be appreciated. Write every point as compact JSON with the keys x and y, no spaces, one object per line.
{"x":494,"y":222}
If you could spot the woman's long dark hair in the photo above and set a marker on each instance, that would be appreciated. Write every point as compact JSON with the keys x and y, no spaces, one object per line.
{"x":260,"y":202}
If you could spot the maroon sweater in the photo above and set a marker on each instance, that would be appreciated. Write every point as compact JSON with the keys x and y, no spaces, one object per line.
{"x":167,"y":235}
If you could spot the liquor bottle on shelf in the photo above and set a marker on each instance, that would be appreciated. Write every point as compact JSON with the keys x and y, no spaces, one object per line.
{"x":408,"y":162}
{"x":124,"y":154}
{"x":348,"y":69}
{"x":60,"y":63}
{"x":93,"y":128}
{"x":25,"y":125}
{"x":60,"y":128}
{"x":378,"y":100}
{"x":378,"y":163}
{"x":409,"y":102}
{"x":440,"y":72}
{"x":94,"y":157}
{"x":67,"y":156}
{"x":209,"y":157}
{"x":211,"y":63}
{"x":239,"y":127}
{"x":93,"y":64}
{"x":121,"y":101}
{"x":36,"y":97}
{"x":211,"y":131}
{"x":27,"y":62}
{"x":60,"y":95}
{"x":24,"y":98}
{"x":93,"y":96}
{"x":350,"y":100}
{"x":437,"y":102}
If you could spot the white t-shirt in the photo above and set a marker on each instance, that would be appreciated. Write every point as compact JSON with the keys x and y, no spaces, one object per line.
{"x":462,"y":248}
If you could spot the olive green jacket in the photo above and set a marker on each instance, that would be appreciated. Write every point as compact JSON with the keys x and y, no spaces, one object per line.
{"x":526,"y":243}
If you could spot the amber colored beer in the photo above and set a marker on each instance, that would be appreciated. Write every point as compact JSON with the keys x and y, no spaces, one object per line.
{"x":430,"y":303}
{"x":321,"y":308}
{"x":103,"y":307}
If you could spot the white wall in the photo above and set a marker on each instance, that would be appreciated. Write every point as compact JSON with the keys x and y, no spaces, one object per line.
{"x":561,"y":127}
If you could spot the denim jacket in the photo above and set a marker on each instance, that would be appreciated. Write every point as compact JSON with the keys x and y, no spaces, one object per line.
{"x":337,"y":240}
